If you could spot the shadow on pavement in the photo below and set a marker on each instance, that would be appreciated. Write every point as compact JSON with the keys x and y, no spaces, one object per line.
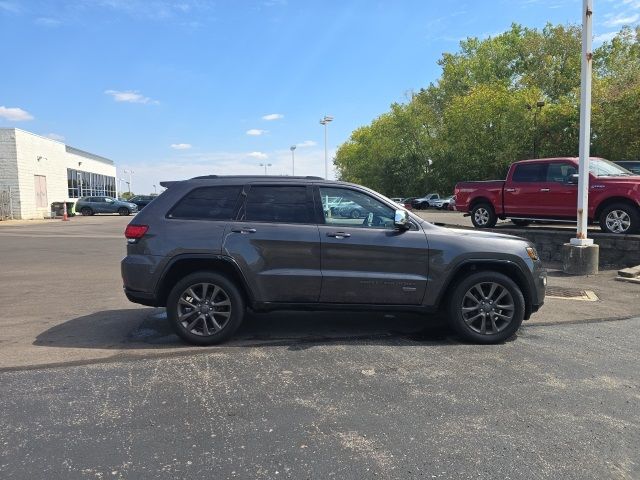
{"x":144,"y":328}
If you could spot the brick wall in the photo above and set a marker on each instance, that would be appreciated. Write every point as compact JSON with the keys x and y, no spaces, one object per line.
{"x":9,"y":167}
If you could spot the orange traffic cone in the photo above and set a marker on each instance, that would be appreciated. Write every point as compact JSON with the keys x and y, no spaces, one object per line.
{"x":65,"y":217}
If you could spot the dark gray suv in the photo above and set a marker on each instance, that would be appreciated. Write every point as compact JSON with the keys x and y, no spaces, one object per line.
{"x":209,"y":247}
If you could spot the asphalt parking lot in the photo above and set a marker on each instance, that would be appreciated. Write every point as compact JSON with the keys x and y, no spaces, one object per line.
{"x":92,"y":386}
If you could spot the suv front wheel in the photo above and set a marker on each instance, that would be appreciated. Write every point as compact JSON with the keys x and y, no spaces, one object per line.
{"x":205,"y":308}
{"x":486,"y":307}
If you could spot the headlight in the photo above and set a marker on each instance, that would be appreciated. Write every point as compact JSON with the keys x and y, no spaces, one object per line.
{"x":533,"y":255}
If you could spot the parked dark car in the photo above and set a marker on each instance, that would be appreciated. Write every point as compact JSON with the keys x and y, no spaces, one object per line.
{"x":209,"y":247}
{"x":102,"y":204}
{"x":350,"y":210}
{"x":632,"y":165}
{"x":142,"y":200}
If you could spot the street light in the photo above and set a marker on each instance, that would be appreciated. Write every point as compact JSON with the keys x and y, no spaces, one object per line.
{"x":539,"y":104}
{"x":130,"y":172}
{"x":325,"y":121}
{"x":265,"y":165}
{"x":155,"y":190}
{"x":293,"y":159}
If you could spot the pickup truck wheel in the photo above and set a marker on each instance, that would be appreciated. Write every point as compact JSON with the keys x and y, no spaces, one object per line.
{"x":483,"y":216}
{"x":486,"y":307}
{"x":619,"y":218}
{"x":520,"y":223}
{"x":205,"y":308}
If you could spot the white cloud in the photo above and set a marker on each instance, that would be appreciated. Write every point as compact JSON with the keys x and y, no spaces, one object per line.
{"x":622,"y":19}
{"x":130,"y":96}
{"x":306,"y":144}
{"x":55,"y":136}
{"x":258,"y":155}
{"x":256,"y":132}
{"x":604,"y":37}
{"x":273,"y":116}
{"x":9,"y":7}
{"x":181,"y":146}
{"x":47,"y":22}
{"x":14,"y":114}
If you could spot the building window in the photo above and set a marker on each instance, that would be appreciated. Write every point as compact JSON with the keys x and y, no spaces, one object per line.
{"x":86,"y":184}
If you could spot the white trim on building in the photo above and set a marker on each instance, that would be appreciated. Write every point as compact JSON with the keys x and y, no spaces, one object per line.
{"x":38,"y":171}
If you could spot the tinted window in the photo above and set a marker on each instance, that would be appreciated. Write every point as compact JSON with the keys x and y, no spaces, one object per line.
{"x":279,"y":204}
{"x":533,"y":172}
{"x":208,"y":203}
{"x":560,"y":172}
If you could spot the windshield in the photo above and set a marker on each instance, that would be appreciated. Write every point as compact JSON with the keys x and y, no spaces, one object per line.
{"x":604,"y":168}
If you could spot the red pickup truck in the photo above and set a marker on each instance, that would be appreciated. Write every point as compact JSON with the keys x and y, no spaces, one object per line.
{"x":547,"y":189}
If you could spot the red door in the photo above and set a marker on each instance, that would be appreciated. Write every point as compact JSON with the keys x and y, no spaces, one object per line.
{"x":524,"y":189}
{"x":562,"y":198}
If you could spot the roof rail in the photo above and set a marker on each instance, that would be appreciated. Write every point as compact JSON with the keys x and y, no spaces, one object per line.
{"x":205,"y":177}
{"x":167,"y":184}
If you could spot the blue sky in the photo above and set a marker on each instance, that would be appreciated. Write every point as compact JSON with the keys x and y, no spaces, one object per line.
{"x":175,"y":88}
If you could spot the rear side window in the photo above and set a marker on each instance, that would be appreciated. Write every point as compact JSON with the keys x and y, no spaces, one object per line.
{"x":208,"y":203}
{"x":279,"y":204}
{"x":530,"y":172}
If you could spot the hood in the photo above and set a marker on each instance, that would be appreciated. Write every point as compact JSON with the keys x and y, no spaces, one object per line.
{"x":482,"y":234}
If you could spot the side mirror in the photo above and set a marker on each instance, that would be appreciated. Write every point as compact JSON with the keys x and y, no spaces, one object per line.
{"x":401,"y":220}
{"x":572,"y":179}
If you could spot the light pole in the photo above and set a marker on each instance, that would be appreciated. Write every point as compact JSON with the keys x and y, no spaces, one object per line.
{"x":293,"y":159}
{"x":265,"y":165}
{"x":155,"y":190}
{"x":130,"y":172}
{"x":325,"y":121}
{"x":539,"y":104}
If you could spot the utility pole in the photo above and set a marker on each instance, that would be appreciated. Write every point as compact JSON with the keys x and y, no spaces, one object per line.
{"x":580,"y":256}
{"x":130,"y":172}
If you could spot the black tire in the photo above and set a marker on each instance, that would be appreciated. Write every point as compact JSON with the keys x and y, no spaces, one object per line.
{"x":520,"y":223}
{"x":483,"y":216}
{"x":620,"y":218}
{"x":194,"y":281}
{"x":460,"y":319}
{"x":124,"y":211}
{"x":86,"y":211}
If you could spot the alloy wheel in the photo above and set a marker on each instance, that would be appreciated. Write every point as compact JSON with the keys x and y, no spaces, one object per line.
{"x":618,"y":221}
{"x":488,"y":308}
{"x":204,"y":309}
{"x":481,"y":216}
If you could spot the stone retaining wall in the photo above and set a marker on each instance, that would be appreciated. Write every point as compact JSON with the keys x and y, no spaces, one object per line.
{"x":616,"y":251}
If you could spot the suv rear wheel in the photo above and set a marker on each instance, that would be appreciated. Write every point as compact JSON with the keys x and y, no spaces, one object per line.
{"x":205,"y":308}
{"x":86,"y":211}
{"x":483,"y":216}
{"x":486,"y":307}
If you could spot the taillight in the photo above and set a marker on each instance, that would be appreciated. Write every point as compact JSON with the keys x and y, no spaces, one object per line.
{"x":135,"y":232}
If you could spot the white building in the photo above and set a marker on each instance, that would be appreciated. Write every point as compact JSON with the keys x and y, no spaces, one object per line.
{"x":36,"y":171}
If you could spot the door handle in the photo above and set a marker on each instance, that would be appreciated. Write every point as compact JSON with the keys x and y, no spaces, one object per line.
{"x":509,"y":189}
{"x":339,"y":235}
{"x":544,"y":189}
{"x":243,"y":230}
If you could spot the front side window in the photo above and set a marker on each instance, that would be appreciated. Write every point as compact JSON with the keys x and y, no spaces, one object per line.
{"x":357,"y":209}
{"x":561,"y":172}
{"x":530,"y":173}
{"x":604,"y":168}
{"x":278,"y":204}
{"x":208,"y":203}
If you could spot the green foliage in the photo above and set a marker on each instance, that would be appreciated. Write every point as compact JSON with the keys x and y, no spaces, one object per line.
{"x":127,"y":195}
{"x":481,"y":114}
